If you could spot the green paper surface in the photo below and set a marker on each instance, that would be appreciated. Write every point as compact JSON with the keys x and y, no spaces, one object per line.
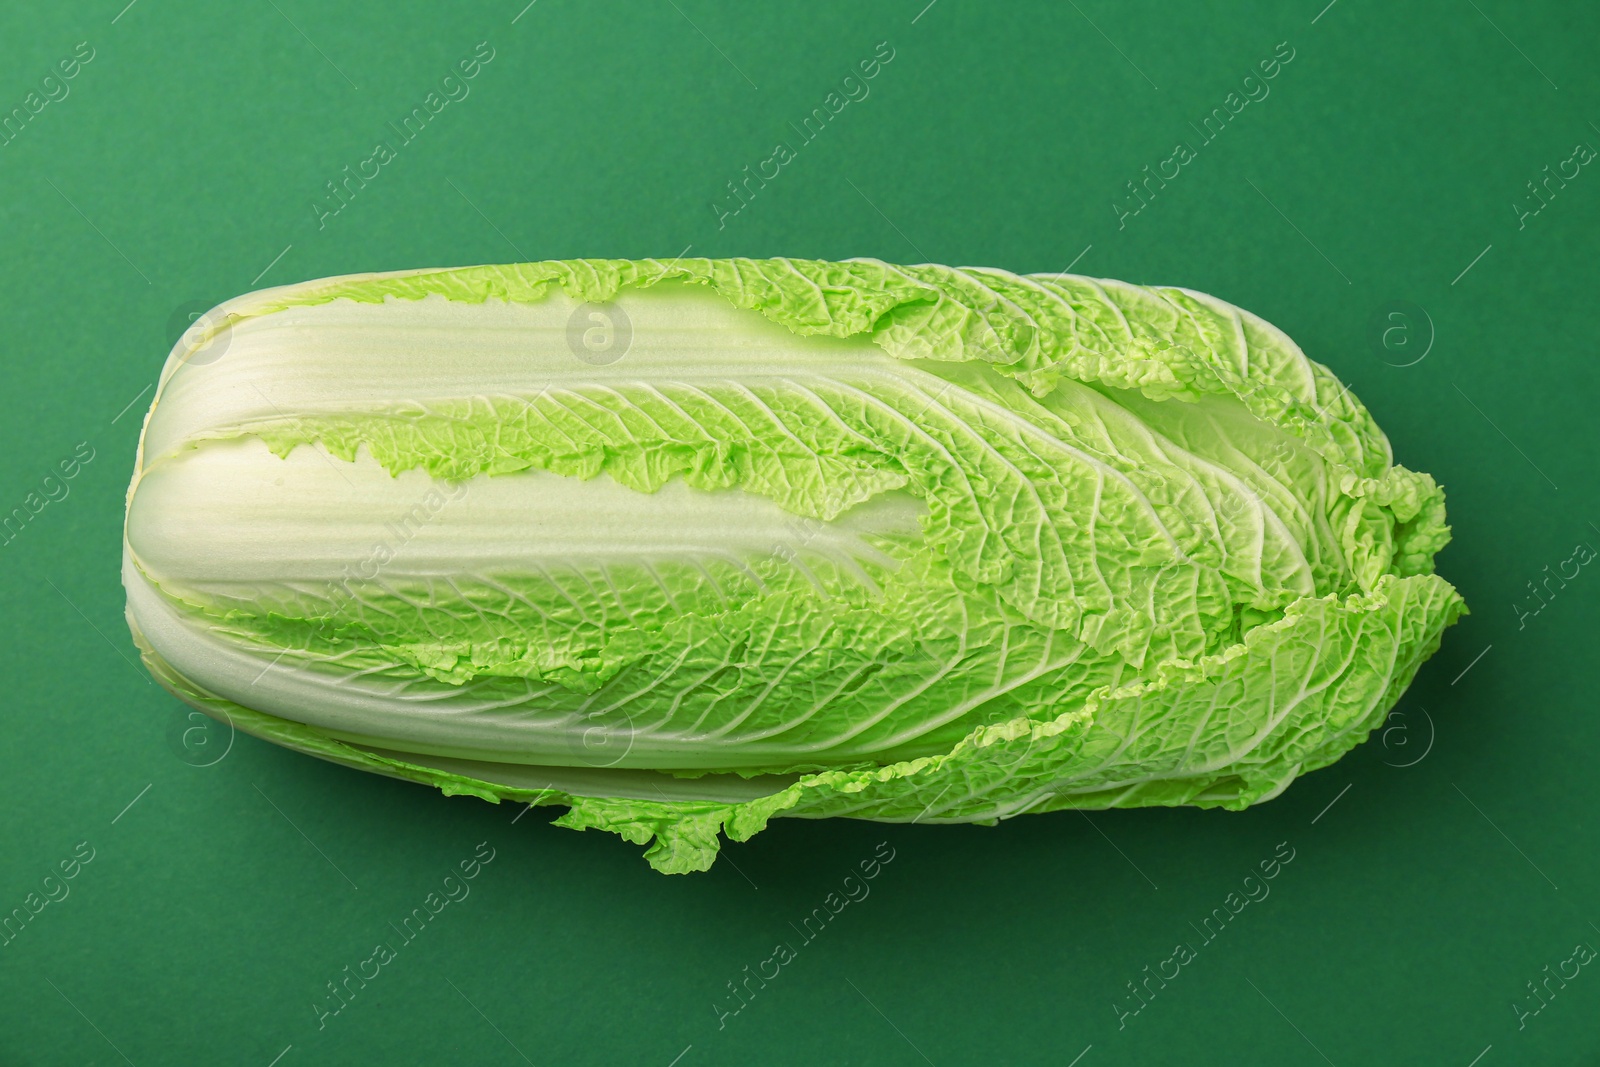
{"x":190,"y":894}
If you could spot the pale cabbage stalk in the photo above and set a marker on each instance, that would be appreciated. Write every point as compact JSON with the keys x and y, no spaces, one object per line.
{"x":683,"y":547}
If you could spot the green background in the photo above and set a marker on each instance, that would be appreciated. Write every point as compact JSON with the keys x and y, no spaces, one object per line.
{"x":243,"y":877}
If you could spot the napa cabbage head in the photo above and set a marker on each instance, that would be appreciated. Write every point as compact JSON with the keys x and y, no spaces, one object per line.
{"x":683,"y":547}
